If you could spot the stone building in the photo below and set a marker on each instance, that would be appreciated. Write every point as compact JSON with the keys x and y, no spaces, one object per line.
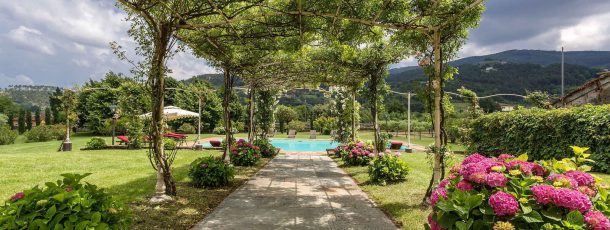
{"x":596,"y":91}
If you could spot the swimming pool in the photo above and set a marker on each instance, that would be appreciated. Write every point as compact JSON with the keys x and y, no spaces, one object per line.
{"x":300,"y":145}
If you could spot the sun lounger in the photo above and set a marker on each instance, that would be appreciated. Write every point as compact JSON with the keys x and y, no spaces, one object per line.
{"x":292,"y":133}
{"x":313,"y":134}
{"x":123,"y":140}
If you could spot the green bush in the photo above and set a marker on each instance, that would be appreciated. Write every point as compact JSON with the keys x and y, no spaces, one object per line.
{"x":7,"y":136}
{"x":40,"y":134}
{"x":221,"y":130}
{"x":388,"y":168}
{"x":65,"y":204}
{"x":187,"y":128}
{"x":169,"y":144}
{"x":96,"y":143}
{"x":297,"y":125}
{"x":58,"y":131}
{"x":266,"y":148}
{"x":211,"y":172}
{"x":244,"y":154}
{"x":545,"y":134}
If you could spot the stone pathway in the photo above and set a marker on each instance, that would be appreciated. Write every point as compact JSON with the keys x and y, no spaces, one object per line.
{"x":299,"y":191}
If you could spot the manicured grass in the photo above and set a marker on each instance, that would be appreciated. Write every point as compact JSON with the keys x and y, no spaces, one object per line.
{"x":127,"y":174}
{"x":401,"y":201}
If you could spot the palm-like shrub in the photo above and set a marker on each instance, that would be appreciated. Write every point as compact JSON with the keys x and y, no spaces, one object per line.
{"x":507,"y":192}
{"x":211,"y":172}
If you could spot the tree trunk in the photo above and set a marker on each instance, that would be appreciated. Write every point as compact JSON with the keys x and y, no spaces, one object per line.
{"x":251,"y":131}
{"x":354,"y":115}
{"x":158,"y":90}
{"x":374,"y":87}
{"x":228,"y":89}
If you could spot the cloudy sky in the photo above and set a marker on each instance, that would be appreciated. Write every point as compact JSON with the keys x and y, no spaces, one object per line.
{"x":65,"y":42}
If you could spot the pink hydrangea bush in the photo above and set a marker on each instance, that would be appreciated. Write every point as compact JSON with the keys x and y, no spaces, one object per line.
{"x":508,"y":192}
{"x":356,"y":153}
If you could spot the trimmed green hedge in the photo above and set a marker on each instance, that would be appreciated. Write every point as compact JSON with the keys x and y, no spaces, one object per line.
{"x":545,"y":134}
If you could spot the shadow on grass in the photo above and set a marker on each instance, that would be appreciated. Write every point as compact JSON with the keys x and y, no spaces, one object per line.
{"x":190,"y":205}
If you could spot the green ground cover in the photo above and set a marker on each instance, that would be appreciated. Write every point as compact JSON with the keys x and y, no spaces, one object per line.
{"x":126,"y":174}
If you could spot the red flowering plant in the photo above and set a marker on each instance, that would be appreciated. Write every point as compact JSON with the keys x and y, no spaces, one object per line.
{"x":244,"y":153}
{"x":507,"y":192}
{"x":356,"y":153}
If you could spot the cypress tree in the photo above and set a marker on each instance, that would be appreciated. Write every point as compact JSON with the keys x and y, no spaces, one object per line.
{"x":47,"y":116}
{"x":28,"y":119}
{"x":21,"y":121}
{"x":37,"y":116}
{"x":11,"y":117}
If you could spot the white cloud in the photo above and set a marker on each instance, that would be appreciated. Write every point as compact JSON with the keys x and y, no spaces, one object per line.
{"x":591,"y":33}
{"x":184,"y":65}
{"x":17,"y":80}
{"x":32,"y":39}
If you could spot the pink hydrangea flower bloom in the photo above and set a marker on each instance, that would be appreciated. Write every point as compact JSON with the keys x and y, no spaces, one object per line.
{"x":503,"y":204}
{"x":526,"y":167}
{"x":436,"y":194}
{"x":496,"y":179}
{"x":456,"y":168}
{"x":572,"y":200}
{"x":503,"y":157}
{"x":587,"y":191}
{"x":21,"y":195}
{"x":473,"y":158}
{"x":433,"y":224}
{"x":597,"y":221}
{"x":583,"y":178}
{"x":464,"y":185}
{"x":444,"y":183}
{"x":563,"y":179}
{"x":543,"y":194}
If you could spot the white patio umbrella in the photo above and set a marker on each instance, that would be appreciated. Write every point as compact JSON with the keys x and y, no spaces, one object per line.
{"x":173,"y":113}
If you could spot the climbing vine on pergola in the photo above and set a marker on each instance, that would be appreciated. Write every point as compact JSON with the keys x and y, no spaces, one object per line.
{"x":243,"y":37}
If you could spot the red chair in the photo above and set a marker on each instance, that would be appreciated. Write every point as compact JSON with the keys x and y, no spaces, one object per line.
{"x":123,"y":140}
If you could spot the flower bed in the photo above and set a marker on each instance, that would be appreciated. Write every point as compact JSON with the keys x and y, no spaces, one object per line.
{"x":508,"y":192}
{"x":356,"y":153}
{"x":244,"y":153}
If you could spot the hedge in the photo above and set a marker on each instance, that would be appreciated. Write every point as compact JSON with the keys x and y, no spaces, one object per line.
{"x":545,"y":134}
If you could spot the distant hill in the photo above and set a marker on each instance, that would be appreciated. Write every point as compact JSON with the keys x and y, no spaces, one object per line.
{"x":513,"y":71}
{"x":29,"y":95}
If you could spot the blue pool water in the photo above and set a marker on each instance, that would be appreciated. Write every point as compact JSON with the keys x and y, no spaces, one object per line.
{"x":296,"y":145}
{"x":299,"y":145}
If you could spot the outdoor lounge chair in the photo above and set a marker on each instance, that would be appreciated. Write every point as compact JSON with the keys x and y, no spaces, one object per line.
{"x":123,"y":140}
{"x":292,"y":133}
{"x":313,"y":134}
{"x":333,"y":133}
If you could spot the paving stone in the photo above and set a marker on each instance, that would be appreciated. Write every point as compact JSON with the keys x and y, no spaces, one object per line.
{"x":298,"y":191}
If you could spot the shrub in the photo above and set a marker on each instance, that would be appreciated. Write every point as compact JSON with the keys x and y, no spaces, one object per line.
{"x":187,"y":128}
{"x":245,"y":154}
{"x":40,"y":134}
{"x":211,"y":172}
{"x":356,"y":153}
{"x":221,"y":130}
{"x":266,"y":148}
{"x":169,"y":144}
{"x":297,"y":125}
{"x":511,"y":193}
{"x":7,"y":136}
{"x":65,"y":204}
{"x":96,"y":143}
{"x":545,"y":134}
{"x":58,"y":131}
{"x":388,"y":168}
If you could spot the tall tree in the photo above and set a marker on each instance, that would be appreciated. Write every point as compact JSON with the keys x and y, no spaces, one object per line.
{"x":21,"y":126}
{"x":28,"y":119}
{"x":37,"y":116}
{"x":47,"y":116}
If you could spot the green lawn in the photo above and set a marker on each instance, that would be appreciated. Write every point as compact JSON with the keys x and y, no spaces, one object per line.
{"x":127,"y":174}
